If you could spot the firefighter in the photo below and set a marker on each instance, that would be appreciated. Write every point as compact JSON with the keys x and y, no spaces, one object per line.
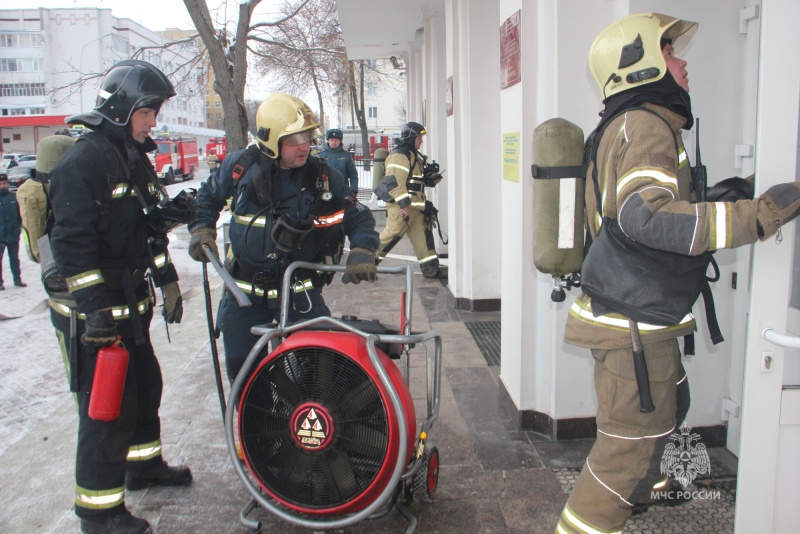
{"x":109,"y":232}
{"x":406,"y":204}
{"x":645,"y":181}
{"x":287,"y":206}
{"x":340,"y":160}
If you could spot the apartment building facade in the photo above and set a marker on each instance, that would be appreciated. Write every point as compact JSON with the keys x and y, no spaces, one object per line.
{"x":51,"y":65}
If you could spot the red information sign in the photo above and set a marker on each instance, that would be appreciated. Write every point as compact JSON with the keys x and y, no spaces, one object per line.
{"x":510,"y":51}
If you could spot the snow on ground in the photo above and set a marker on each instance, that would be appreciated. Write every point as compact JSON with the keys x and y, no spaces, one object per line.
{"x":33,"y":380}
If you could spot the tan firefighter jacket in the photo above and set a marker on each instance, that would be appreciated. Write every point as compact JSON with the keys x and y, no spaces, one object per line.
{"x":645,"y":183}
{"x":409,"y":188}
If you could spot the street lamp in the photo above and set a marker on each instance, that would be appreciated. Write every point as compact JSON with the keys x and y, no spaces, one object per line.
{"x":81,"y":63}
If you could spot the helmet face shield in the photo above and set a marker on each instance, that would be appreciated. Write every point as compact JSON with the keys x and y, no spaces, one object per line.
{"x":628,"y":53}
{"x":299,"y":139}
{"x":680,"y":35}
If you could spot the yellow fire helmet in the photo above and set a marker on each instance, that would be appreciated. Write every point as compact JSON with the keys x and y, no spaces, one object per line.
{"x":627,"y":54}
{"x":281,"y":115}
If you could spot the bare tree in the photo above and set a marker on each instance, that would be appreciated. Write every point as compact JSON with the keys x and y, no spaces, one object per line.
{"x":307,"y":52}
{"x":304,"y":51}
{"x":228,"y":59}
{"x":355,"y":85}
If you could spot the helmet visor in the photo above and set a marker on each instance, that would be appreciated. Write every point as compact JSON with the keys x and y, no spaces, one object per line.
{"x":298,"y":139}
{"x":680,"y":35}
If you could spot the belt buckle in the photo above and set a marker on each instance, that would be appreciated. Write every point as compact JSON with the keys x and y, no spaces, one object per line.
{"x":266,"y":280}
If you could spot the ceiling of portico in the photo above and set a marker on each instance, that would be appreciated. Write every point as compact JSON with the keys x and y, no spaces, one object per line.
{"x":376,"y":29}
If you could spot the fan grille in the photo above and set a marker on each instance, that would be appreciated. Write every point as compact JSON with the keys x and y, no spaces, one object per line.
{"x":355,"y":440}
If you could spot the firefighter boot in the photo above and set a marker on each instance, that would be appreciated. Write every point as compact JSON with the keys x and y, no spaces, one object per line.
{"x":121,"y":523}
{"x":440,"y":273}
{"x":161,"y":475}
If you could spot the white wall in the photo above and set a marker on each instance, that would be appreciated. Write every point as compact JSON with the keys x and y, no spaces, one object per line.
{"x":541,"y":372}
{"x":490,"y":219}
{"x":473,"y":154}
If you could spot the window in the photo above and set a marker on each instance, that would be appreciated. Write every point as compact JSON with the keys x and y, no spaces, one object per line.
{"x":217,"y":104}
{"x":21,"y":65}
{"x":22,"y":89}
{"x":120,"y":44}
{"x":21,"y":40}
{"x":372,"y":88}
{"x":373,"y":112}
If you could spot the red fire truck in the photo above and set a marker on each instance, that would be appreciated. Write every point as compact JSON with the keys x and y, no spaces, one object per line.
{"x":216,"y":149}
{"x":176,"y":158}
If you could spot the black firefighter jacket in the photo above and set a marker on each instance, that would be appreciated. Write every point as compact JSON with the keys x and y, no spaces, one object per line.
{"x":100,"y":227}
{"x":298,"y":196}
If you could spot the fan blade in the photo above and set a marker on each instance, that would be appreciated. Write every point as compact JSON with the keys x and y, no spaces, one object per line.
{"x":339,"y":472}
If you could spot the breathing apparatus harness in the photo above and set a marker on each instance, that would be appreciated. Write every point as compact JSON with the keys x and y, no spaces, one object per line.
{"x":289,"y":231}
{"x":592,"y":144}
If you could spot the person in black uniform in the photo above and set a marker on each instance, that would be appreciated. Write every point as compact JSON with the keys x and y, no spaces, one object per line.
{"x":109,"y":235}
{"x":287,"y":206}
{"x":10,"y":229}
{"x":340,"y":160}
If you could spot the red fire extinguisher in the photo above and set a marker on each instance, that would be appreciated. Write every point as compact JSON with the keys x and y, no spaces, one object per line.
{"x":109,"y":382}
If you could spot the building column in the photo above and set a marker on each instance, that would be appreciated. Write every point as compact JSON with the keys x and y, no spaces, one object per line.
{"x":473,"y":155}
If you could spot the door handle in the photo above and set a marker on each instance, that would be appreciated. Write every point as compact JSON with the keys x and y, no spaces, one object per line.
{"x":782,"y":340}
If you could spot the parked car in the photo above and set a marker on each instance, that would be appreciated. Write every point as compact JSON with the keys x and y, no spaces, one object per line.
{"x":29,"y":157}
{"x":8,"y":158}
{"x":19,"y":174}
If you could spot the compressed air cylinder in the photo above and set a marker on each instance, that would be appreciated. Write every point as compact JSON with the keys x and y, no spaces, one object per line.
{"x":109,"y":383}
{"x":558,"y":197}
{"x":379,"y":169}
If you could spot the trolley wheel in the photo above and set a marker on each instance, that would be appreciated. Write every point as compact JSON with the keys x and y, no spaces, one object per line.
{"x":427,"y":478}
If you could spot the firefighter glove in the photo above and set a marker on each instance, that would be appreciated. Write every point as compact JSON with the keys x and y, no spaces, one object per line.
{"x":200,"y":237}
{"x":173,"y":303}
{"x":779,"y":205}
{"x":101,"y":329}
{"x":360,"y":266}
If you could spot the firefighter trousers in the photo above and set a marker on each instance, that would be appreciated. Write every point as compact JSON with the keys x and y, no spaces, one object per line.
{"x":624,"y":463}
{"x":106,"y":450}
{"x":419,"y":233}
{"x":235,"y":322}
